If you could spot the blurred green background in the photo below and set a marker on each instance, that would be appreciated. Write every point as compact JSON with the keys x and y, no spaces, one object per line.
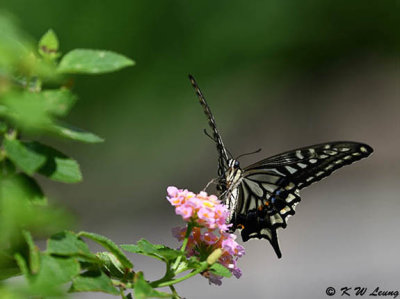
{"x":277,"y":75}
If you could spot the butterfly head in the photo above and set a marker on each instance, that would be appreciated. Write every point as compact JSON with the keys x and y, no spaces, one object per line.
{"x":233,"y":173}
{"x":233,"y":164}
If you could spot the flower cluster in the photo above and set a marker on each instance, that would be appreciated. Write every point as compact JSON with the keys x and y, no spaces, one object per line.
{"x":209,"y":231}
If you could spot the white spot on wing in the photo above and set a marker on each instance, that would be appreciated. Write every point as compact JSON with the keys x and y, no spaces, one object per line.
{"x":276,"y":218}
{"x":330,"y":152}
{"x":299,"y":154}
{"x":290,"y":198}
{"x":291,"y":169}
{"x":290,"y":186}
{"x":285,"y":210}
{"x":266,"y":231}
{"x":302,"y":165}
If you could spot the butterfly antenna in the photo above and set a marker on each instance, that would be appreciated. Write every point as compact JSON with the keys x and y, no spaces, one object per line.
{"x":213,"y":181}
{"x":216,"y":136}
{"x":251,"y":153}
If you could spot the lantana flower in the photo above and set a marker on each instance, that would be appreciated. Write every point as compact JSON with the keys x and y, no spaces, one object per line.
{"x":207,"y":216}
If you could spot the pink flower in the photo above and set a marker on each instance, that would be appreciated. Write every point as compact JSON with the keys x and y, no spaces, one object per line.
{"x":207,"y":216}
{"x":185,"y":211}
{"x":236,"y":272}
{"x":209,"y":238}
{"x":212,"y":278}
{"x":172,"y":191}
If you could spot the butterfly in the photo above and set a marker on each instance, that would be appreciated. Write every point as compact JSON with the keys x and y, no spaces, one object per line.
{"x":261,"y":197}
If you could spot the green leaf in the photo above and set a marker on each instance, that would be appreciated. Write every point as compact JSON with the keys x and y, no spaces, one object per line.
{"x":58,"y":166}
{"x":56,"y":270}
{"x":143,"y":289}
{"x":48,"y":45}
{"x":110,"y":245}
{"x":34,"y":253}
{"x":24,"y":157}
{"x":161,"y":252}
{"x":15,"y":46}
{"x":58,"y":101}
{"x":69,"y":244}
{"x":220,"y":270}
{"x":93,"y":281}
{"x":85,"y":61}
{"x":76,"y":134}
{"x":193,"y":263}
{"x":111,"y":265}
{"x":27,"y":110}
{"x":21,"y":262}
{"x":22,"y":186}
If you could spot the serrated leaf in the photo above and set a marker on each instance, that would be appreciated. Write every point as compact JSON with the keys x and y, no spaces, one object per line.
{"x":69,"y":244}
{"x":58,"y":101}
{"x":110,"y":245}
{"x":57,"y":166}
{"x":93,"y":281}
{"x":85,"y":61}
{"x":144,"y":247}
{"x":76,"y":134}
{"x":24,"y":157}
{"x":48,"y":45}
{"x":143,"y":290}
{"x":220,"y":270}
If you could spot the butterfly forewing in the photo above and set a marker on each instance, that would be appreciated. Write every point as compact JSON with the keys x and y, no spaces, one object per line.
{"x":269,"y":189}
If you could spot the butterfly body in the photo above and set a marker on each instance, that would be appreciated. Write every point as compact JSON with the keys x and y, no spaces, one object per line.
{"x":261,"y":197}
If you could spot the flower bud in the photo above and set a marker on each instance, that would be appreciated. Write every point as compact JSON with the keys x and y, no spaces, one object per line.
{"x":214,"y":256}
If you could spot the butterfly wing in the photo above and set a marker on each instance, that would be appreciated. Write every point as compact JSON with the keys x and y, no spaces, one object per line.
{"x":269,"y":190}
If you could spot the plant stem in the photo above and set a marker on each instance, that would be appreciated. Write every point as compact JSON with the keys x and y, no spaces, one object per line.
{"x":174,"y":293}
{"x":160,"y":283}
{"x":184,"y":244}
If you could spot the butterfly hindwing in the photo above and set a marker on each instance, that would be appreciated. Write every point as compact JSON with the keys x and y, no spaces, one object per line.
{"x":269,"y":190}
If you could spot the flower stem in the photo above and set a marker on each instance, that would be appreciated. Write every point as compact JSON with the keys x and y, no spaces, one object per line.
{"x":184,"y":244}
{"x":174,"y":293}
{"x":160,"y":284}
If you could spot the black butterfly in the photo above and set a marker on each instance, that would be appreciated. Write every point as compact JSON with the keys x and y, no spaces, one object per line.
{"x":262,"y":196}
